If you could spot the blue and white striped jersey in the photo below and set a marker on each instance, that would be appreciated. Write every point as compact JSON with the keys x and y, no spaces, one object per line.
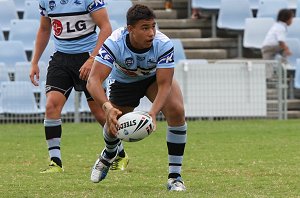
{"x":129,"y":66}
{"x":72,"y":26}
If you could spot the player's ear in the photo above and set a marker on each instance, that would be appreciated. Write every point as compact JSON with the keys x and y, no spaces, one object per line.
{"x":129,"y":28}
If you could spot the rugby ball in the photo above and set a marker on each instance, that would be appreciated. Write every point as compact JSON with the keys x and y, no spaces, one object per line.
{"x":134,"y":126}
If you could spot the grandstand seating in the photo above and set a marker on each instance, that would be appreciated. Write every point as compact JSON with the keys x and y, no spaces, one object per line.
{"x":293,"y":29}
{"x":48,"y":52}
{"x":178,"y":50}
{"x":298,"y":9}
{"x":294,"y":46}
{"x":18,"y":98}
{"x":19,"y":5}
{"x":117,"y":10}
{"x":84,"y":106}
{"x":270,"y":8}
{"x":4,"y":76}
{"x":297,"y":75}
{"x":24,"y":30}
{"x":12,"y":52}
{"x":232,"y":15}
{"x":8,"y":12}
{"x":255,"y":31}
{"x":31,"y":10}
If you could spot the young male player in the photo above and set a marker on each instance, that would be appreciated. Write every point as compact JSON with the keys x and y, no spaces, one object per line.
{"x":73,"y":25}
{"x":140,"y":61}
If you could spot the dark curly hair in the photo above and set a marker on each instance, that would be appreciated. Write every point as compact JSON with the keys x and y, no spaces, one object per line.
{"x":284,"y":15}
{"x":139,"y":12}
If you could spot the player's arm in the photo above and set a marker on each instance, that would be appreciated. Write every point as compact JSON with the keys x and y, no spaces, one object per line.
{"x":41,"y":41}
{"x":100,"y":18}
{"x":97,"y":76}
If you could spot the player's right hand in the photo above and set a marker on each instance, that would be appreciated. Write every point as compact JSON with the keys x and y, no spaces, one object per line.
{"x":34,"y":74}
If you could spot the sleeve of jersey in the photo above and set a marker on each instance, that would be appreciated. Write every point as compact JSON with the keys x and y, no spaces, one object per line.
{"x":166,"y":58}
{"x":94,"y":5}
{"x":106,"y":55}
{"x":42,"y":8}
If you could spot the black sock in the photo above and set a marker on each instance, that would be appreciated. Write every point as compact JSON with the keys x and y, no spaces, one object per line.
{"x":174,"y":175}
{"x":122,"y":153}
{"x":57,"y":161}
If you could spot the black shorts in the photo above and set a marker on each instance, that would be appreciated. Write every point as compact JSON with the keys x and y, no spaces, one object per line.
{"x":63,"y":73}
{"x":129,"y":94}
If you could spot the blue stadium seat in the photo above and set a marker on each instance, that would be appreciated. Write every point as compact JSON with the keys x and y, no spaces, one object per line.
{"x":48,"y":52}
{"x":232,"y":15}
{"x":117,"y":10}
{"x":8,"y":12}
{"x":2,"y":36}
{"x":298,"y":9}
{"x":294,"y":29}
{"x":84,"y":106}
{"x":19,"y":5}
{"x":255,"y":31}
{"x":206,"y":4}
{"x":24,"y":30}
{"x":254,"y":4}
{"x":31,"y":10}
{"x":179,"y":53}
{"x":12,"y":52}
{"x":18,"y":98}
{"x":270,"y":8}
{"x":294,"y":46}
{"x":4,"y":76}
{"x":297,"y":75}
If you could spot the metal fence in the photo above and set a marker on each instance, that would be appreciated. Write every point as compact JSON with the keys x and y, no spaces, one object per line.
{"x":225,"y":89}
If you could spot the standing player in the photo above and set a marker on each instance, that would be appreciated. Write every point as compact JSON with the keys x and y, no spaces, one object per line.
{"x":140,"y":61}
{"x":73,"y":25}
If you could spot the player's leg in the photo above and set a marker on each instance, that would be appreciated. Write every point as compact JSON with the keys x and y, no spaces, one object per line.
{"x":58,"y":88}
{"x":173,"y":110}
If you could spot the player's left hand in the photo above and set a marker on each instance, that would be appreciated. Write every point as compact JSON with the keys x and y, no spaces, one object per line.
{"x":85,"y":69}
{"x":153,"y":116}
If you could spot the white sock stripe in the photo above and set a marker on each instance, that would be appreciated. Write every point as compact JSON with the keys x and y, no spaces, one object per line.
{"x":175,"y":159}
{"x":53,"y":142}
{"x":51,"y":122}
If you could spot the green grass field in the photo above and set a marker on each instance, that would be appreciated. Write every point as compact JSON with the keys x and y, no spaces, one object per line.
{"x":256,"y":158}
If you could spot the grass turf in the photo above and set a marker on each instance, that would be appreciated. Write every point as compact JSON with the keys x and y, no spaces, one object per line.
{"x":255,"y":158}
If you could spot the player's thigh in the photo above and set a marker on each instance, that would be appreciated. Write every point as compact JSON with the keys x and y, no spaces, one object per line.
{"x":97,"y":111}
{"x":173,"y":108}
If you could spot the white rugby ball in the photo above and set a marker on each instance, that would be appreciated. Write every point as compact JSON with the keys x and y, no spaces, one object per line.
{"x":134,"y":126}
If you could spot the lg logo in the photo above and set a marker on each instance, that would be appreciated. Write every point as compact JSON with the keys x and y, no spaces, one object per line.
{"x":58,"y":27}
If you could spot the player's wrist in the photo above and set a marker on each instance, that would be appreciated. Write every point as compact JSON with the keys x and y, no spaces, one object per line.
{"x":107,"y":106}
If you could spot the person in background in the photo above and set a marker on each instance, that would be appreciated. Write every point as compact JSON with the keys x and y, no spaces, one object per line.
{"x":140,"y":61}
{"x":73,"y":25}
{"x":274,"y":42}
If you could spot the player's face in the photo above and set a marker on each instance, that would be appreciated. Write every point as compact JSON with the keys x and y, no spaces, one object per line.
{"x":142,"y":33}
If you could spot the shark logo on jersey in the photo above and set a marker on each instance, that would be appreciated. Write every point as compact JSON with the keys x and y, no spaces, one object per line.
{"x":129,"y":61}
{"x":77,"y":2}
{"x":52,"y":4}
{"x":168,"y":58}
{"x":106,"y":56}
{"x":64,"y":1}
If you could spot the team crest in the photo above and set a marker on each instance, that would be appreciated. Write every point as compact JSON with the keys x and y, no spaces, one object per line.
{"x":52,"y":4}
{"x":129,"y":61}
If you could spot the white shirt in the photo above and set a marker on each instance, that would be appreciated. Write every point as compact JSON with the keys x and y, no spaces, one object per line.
{"x":277,"y":33}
